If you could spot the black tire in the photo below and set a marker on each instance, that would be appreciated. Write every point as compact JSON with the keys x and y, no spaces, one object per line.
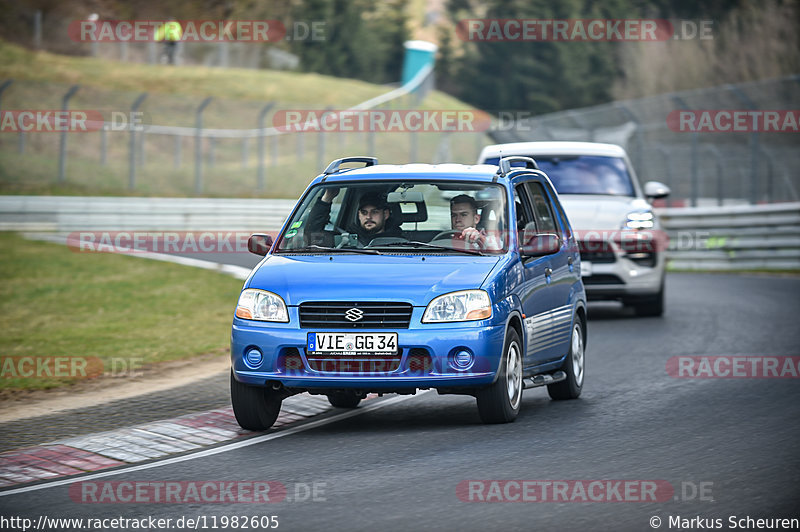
{"x":344,"y":400}
{"x":651,"y":306}
{"x":500,"y":402}
{"x":255,"y":407}
{"x":574,"y":366}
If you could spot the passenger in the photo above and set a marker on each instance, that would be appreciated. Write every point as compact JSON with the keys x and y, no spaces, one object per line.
{"x":373,"y":217}
{"x":464,"y":217}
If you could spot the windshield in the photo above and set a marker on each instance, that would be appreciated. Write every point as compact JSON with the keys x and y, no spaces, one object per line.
{"x":584,"y":174}
{"x":399,"y":217}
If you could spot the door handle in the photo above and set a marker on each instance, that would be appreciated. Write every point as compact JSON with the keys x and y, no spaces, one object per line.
{"x":548,"y":272}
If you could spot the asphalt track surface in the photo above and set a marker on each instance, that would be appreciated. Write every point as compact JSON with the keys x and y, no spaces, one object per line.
{"x":397,"y":467}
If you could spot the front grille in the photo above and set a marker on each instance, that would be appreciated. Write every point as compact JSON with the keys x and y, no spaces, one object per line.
{"x":605,"y":278}
{"x":332,"y":364}
{"x":597,"y":251}
{"x":599,"y":257}
{"x":373,"y":315}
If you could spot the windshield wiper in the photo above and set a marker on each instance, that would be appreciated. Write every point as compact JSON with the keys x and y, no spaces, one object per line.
{"x":315,"y":247}
{"x":418,"y":244}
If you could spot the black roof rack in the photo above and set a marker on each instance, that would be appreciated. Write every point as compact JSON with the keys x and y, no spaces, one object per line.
{"x":334,"y":166}
{"x":505,"y":164}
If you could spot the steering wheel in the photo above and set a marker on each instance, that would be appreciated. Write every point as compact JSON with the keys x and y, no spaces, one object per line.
{"x":447,"y":234}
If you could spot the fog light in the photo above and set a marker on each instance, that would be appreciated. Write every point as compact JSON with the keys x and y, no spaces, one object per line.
{"x":253,"y":358}
{"x":463,"y":359}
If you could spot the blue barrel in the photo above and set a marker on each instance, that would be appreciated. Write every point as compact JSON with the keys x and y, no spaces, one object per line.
{"x":418,"y":55}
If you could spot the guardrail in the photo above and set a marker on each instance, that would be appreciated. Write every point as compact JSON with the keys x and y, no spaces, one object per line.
{"x":734,"y":238}
{"x":69,"y":213}
{"x":711,"y":238}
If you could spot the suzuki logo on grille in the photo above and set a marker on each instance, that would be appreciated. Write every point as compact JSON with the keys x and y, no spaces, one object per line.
{"x":354,"y":314}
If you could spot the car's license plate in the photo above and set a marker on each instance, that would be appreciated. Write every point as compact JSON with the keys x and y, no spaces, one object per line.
{"x":352,"y":343}
{"x":586,"y":268}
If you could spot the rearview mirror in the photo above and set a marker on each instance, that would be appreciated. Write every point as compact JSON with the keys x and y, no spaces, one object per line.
{"x":259,"y":244}
{"x":656,"y":190}
{"x":541,"y":245}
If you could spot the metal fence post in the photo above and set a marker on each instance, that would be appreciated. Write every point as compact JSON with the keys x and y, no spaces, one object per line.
{"x":718,"y":158}
{"x":176,"y":162}
{"x":3,"y":88}
{"x":770,"y":180}
{"x":212,"y":144}
{"x":321,"y":138}
{"x":37,"y":29}
{"x":695,"y":141}
{"x":132,"y":148}
{"x":638,"y":163}
{"x":754,"y":148}
{"x":370,"y":140}
{"x":21,"y":138}
{"x":300,"y":146}
{"x":62,"y":149}
{"x":262,"y":115}
{"x":198,"y":145}
{"x":103,"y":144}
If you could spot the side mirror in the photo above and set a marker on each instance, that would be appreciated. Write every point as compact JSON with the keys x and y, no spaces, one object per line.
{"x":656,"y":190}
{"x":541,"y":245}
{"x":259,"y":244}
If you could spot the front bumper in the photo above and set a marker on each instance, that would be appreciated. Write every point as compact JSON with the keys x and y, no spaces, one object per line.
{"x":633,"y":269}
{"x":425,"y":358}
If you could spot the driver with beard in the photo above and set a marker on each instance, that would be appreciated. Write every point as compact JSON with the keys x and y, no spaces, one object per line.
{"x":373,"y":213}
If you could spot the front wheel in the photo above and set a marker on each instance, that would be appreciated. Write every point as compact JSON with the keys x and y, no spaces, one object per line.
{"x":255,"y":407}
{"x":573,"y":367}
{"x":500,"y":402}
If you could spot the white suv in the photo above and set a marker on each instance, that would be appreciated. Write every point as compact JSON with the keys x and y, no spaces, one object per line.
{"x":622,"y":245}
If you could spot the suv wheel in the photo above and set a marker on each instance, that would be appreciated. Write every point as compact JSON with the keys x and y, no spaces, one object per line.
{"x":255,"y":407}
{"x":344,"y":400}
{"x":652,"y":306}
{"x":574,"y":367}
{"x":500,"y":402}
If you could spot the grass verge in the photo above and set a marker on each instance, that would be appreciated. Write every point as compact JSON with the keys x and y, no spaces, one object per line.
{"x":105,"y":310}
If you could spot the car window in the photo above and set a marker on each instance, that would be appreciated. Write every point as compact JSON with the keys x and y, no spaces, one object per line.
{"x":402,"y":211}
{"x":545,"y":222}
{"x":583,"y":174}
{"x":526,"y":223}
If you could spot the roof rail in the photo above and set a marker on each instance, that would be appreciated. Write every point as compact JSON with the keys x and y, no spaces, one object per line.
{"x":334,"y":166}
{"x":505,"y":164}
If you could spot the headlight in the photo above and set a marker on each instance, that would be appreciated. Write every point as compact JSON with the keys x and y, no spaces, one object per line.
{"x":466,"y":305}
{"x":261,"y":305}
{"x":639,"y":220}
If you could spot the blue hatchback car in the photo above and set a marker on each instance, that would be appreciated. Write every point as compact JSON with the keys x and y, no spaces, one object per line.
{"x":391,"y":279}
